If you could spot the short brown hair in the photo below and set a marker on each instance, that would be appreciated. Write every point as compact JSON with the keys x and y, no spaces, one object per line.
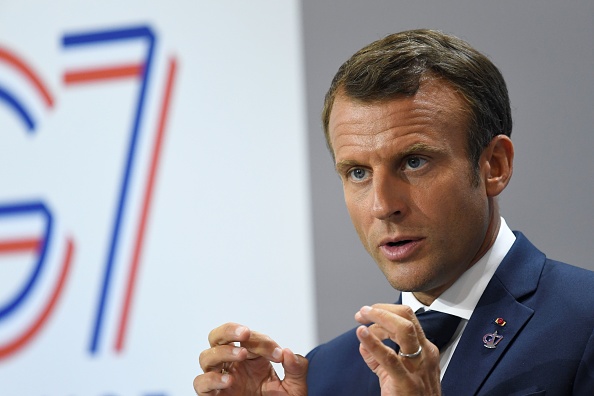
{"x":395,"y":65}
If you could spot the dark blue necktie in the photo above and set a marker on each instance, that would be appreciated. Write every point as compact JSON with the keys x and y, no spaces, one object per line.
{"x":439,"y":327}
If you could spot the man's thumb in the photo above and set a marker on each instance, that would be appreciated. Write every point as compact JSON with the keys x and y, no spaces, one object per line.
{"x":295,"y":367}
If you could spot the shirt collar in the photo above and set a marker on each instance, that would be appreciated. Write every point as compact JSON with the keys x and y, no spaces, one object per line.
{"x":462,"y":297}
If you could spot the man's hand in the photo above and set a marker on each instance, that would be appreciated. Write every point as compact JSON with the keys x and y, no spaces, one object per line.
{"x":398,"y":375}
{"x":245,"y":369}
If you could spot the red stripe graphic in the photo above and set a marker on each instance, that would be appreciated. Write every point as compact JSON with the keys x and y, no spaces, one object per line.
{"x":26,"y":336}
{"x":28,"y":72}
{"x":104,"y":73}
{"x":132,"y":276}
{"x":20,"y":245}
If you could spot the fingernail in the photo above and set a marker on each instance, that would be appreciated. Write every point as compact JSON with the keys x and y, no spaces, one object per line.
{"x":239,"y":331}
{"x":236,"y":351}
{"x":364,"y":331}
{"x":277,"y":353}
{"x":225,"y":378}
{"x":365,"y":309}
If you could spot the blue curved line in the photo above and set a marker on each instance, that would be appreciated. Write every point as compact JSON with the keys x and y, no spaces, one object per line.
{"x":140,"y":32}
{"x":102,"y":36}
{"x":18,"y":108}
{"x":19,"y":209}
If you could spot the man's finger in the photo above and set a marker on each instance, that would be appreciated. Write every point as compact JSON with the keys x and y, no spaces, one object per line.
{"x":213,"y":358}
{"x":210,"y":383}
{"x":295,"y":367}
{"x":400,"y":327}
{"x":261,"y":345}
{"x":228,"y":333}
{"x":376,"y":353}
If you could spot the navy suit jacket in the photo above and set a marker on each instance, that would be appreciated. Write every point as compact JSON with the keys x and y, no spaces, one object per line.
{"x":547,"y":346}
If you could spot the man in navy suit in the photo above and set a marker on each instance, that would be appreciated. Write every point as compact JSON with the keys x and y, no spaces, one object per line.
{"x":419,"y":126}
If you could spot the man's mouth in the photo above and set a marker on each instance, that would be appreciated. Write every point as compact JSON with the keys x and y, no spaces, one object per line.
{"x":400,"y":249}
{"x":399,"y":243}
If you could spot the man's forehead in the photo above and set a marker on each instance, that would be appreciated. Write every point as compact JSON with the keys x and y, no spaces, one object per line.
{"x":434,"y":93}
{"x":437,"y":102}
{"x":436,"y":113}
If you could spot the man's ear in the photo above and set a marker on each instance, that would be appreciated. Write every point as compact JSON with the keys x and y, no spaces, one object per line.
{"x":498,"y":163}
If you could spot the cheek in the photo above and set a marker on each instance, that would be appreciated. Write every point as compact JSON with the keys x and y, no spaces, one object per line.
{"x":357,"y":215}
{"x":356,"y":206}
{"x":360,"y":218}
{"x":455,"y":205}
{"x":467,"y":216}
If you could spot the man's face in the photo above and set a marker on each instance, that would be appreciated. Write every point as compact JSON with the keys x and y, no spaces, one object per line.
{"x":408,"y":186}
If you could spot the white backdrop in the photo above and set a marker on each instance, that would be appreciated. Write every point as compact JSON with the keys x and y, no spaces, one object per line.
{"x":154,"y":185}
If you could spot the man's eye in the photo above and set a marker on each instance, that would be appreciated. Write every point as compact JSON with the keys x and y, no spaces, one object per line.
{"x":414,"y":162}
{"x":358,"y":174}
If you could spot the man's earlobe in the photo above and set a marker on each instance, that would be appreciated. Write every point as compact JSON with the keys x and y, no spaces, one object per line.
{"x":500,"y":163}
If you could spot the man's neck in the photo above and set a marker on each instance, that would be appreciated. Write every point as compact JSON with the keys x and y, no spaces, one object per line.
{"x":427,"y":298}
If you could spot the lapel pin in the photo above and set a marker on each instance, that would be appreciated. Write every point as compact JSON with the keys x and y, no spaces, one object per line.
{"x":492,"y":339}
{"x":500,"y":321}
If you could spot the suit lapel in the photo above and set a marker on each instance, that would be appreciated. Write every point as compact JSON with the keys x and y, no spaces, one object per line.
{"x":472,"y":362}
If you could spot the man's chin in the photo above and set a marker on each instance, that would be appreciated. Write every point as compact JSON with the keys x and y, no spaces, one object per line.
{"x":409,"y":283}
{"x":402,"y":280}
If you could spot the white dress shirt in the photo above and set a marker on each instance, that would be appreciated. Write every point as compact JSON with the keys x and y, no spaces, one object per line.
{"x":461,"y":298}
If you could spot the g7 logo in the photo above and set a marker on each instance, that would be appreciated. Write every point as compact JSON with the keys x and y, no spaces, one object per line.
{"x":136,"y":188}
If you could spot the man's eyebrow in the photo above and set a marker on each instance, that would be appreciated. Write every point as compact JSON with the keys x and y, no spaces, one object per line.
{"x":420,"y":147}
{"x":345,"y":164}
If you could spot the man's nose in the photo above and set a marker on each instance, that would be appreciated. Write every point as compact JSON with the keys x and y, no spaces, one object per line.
{"x":389,"y":195}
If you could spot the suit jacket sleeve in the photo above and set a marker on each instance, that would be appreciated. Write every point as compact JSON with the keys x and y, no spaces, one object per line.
{"x":337,"y":368}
